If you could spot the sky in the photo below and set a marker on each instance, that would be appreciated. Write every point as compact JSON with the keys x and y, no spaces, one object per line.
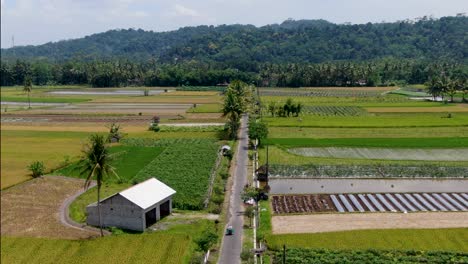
{"x":34,"y":22}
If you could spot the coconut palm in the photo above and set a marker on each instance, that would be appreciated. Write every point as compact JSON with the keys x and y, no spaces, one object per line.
{"x":28,"y":88}
{"x":96,"y":164}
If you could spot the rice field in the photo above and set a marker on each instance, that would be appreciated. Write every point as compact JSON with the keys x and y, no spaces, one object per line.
{"x":366,"y":133}
{"x":382,"y":120}
{"x":161,"y":247}
{"x":20,"y":148}
{"x":457,"y":154}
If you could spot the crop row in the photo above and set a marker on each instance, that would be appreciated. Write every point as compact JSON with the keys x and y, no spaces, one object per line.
{"x":334,"y":110}
{"x":302,"y":255}
{"x":184,"y":165}
{"x":367,"y":171}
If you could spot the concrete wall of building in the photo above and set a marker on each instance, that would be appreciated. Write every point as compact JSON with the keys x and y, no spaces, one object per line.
{"x":306,"y":186}
{"x":118,"y":212}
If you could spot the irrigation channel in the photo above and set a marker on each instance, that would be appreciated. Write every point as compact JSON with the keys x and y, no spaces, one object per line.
{"x":380,"y":202}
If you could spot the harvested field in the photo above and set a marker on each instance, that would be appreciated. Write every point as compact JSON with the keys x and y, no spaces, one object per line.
{"x":32,"y":209}
{"x":340,"y":222}
{"x":459,"y":154}
{"x":302,"y":203}
{"x":114,"y":108}
{"x":380,"y":202}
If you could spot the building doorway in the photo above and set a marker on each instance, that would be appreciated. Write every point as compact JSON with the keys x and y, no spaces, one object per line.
{"x":165,"y":209}
{"x":150,"y":217}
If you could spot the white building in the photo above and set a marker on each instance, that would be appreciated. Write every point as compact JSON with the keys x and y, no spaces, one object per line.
{"x":135,"y":208}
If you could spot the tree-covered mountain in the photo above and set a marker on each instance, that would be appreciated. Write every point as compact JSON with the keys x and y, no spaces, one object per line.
{"x":243,"y":46}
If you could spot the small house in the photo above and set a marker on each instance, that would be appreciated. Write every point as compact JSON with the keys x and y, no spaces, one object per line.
{"x":135,"y":208}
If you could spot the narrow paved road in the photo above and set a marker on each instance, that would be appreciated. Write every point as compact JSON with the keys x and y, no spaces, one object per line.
{"x":232,"y":245}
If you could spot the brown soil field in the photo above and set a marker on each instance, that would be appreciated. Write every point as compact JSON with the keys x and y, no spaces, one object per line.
{"x":442,"y":109}
{"x":382,"y":89}
{"x":32,"y":209}
{"x":341,"y":222}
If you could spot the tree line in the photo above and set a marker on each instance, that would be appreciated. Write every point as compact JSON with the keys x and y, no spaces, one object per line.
{"x":120,"y":73}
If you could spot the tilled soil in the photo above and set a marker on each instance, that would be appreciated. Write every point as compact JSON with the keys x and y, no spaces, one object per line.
{"x":341,"y":222}
{"x":32,"y":209}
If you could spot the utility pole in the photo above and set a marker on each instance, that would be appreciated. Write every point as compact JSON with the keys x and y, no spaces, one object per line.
{"x":267,"y":162}
{"x":284,"y":254}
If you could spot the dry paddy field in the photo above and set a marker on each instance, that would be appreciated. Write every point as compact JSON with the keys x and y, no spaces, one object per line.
{"x":32,"y":209}
{"x":318,"y":223}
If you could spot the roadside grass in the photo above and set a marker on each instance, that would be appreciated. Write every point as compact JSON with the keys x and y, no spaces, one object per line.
{"x":381,"y":120}
{"x":172,"y":246}
{"x":450,"y":142}
{"x":20,"y":148}
{"x":278,"y":155}
{"x":356,"y":132}
{"x":450,"y":239}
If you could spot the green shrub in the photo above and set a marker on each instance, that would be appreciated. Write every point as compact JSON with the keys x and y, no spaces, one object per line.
{"x":37,"y":169}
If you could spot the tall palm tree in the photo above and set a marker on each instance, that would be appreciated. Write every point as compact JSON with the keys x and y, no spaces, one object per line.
{"x":28,"y":88}
{"x":96,"y":164}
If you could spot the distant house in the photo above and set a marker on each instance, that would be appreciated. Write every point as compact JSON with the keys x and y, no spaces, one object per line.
{"x":135,"y":208}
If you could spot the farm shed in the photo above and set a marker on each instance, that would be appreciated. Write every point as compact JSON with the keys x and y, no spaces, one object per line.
{"x":135,"y":208}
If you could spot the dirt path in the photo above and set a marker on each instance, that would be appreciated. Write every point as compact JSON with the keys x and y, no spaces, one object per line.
{"x":340,"y":222}
{"x":36,"y":209}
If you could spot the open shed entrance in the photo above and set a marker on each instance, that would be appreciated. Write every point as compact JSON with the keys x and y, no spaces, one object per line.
{"x":150,"y":217}
{"x":164,"y":209}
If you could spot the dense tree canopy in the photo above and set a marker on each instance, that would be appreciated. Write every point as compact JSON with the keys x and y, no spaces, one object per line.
{"x":294,"y":54}
{"x":243,"y":46}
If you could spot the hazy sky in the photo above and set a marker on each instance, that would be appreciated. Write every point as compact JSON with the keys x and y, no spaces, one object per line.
{"x":41,"y":21}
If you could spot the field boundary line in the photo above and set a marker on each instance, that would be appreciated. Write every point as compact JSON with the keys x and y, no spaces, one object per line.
{"x":214,"y":171}
{"x":65,"y":213}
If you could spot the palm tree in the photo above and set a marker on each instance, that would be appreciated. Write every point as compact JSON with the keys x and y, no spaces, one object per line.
{"x":96,"y":164}
{"x":28,"y":88}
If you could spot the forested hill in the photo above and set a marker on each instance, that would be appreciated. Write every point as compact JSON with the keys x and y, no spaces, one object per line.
{"x":302,"y":41}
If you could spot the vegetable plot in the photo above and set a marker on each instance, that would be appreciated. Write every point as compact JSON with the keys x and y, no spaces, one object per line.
{"x":335,"y":110}
{"x":367,"y":171}
{"x":300,"y":255}
{"x":459,"y":154}
{"x":184,"y":165}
